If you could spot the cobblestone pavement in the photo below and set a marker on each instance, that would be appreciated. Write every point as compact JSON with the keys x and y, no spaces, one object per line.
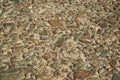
{"x":59,"y":40}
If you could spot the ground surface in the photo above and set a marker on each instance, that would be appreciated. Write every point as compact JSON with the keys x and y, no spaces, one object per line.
{"x":59,"y":40}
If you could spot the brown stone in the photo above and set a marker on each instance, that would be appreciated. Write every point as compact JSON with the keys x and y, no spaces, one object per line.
{"x":80,"y":75}
{"x":57,"y":22}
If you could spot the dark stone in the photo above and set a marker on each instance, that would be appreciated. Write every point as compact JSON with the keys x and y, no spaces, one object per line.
{"x":16,"y":1}
{"x":59,"y":42}
{"x":116,"y":77}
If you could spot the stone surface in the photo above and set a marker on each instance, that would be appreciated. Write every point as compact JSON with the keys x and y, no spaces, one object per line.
{"x":59,"y":40}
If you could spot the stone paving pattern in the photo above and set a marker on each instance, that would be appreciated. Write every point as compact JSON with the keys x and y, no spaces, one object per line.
{"x":59,"y":40}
